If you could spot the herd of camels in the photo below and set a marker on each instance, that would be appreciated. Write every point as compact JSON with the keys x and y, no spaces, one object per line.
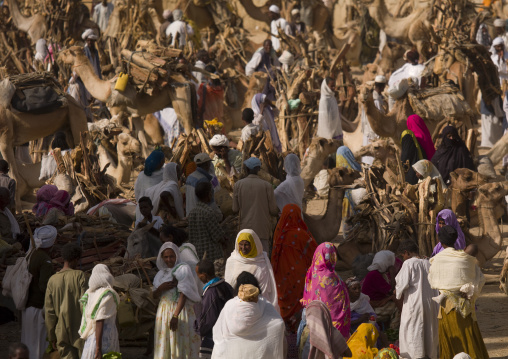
{"x":17,"y":128}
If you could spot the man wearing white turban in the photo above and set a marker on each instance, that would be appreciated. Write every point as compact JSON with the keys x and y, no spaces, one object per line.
{"x":278,"y":23}
{"x":33,"y":327}
{"x":178,"y":29}
{"x":226,"y":161}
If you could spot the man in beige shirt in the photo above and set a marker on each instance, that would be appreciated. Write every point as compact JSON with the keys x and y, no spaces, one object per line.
{"x":254,"y":199}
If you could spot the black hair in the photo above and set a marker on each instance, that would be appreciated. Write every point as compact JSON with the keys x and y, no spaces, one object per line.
{"x":246,"y":278}
{"x":13,"y":348}
{"x":408,"y":246}
{"x":59,"y":141}
{"x":330,"y":162}
{"x":145,"y":199}
{"x":206,"y":267}
{"x":202,"y":190}
{"x":4,"y":192}
{"x":248,"y":115}
{"x":212,"y":69}
{"x":447,"y":235}
{"x":4,"y":166}
{"x":201,"y":54}
{"x":71,"y":252}
{"x":179,"y":235}
{"x":329,"y":79}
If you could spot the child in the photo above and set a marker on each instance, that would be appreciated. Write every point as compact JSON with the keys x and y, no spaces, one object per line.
{"x":216,"y":293}
{"x":361,"y":310}
{"x":250,"y":129}
{"x":174,"y":326}
{"x":146,"y":207}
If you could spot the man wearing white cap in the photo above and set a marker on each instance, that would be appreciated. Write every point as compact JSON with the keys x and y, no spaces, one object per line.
{"x":278,"y":23}
{"x":178,"y":29}
{"x":101,"y":14}
{"x":90,"y":38}
{"x":33,"y":328}
{"x":203,"y":173}
{"x":500,"y":30}
{"x":297,"y":26}
{"x":226,"y":161}
{"x":368,"y":134}
{"x":254,"y":200}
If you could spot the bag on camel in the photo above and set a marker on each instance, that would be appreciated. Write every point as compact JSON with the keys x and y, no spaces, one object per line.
{"x":16,"y":282}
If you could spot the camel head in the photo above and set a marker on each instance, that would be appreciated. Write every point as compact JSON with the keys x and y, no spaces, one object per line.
{"x":464,"y":179}
{"x":128,"y":145}
{"x":342,"y":176}
{"x":69,"y":56}
{"x":371,"y":71}
{"x":379,"y":149}
{"x":494,"y":192}
{"x":365,"y":92}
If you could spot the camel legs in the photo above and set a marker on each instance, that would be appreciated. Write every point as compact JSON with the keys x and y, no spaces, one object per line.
{"x":76,"y":119}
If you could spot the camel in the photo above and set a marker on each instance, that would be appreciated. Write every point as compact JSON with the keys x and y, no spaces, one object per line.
{"x":125,"y":147}
{"x":390,"y":59}
{"x":445,"y":107}
{"x":326,"y":228}
{"x":499,"y":150}
{"x":385,"y":154}
{"x":35,"y":25}
{"x":177,"y":94}
{"x":319,"y":149}
{"x":17,"y":128}
{"x":413,"y":29}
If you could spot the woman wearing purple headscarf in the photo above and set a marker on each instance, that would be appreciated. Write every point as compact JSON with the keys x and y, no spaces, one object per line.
{"x":447,"y":218}
{"x":44,"y":196}
{"x":265,"y":118}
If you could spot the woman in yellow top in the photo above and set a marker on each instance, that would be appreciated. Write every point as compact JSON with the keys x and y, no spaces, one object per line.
{"x":249,"y":256}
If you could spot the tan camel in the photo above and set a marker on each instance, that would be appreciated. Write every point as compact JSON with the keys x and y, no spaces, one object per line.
{"x":126,"y":146}
{"x":35,"y":25}
{"x":17,"y":128}
{"x":447,"y":108}
{"x":413,"y":29}
{"x":177,"y":94}
{"x":326,"y":228}
{"x":319,"y":149}
{"x":391,"y":58}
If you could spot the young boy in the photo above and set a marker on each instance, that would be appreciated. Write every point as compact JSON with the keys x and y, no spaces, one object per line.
{"x":146,"y":207}
{"x":216,"y":293}
{"x":250,"y":129}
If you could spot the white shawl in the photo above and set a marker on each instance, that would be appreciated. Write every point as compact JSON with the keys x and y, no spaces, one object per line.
{"x":265,"y":120}
{"x":291,"y":190}
{"x":169,"y":184}
{"x":181,"y":271}
{"x":382,"y":261}
{"x":143,"y":182}
{"x":329,"y":125}
{"x":362,"y":305}
{"x":248,"y":330}
{"x":259,"y":266}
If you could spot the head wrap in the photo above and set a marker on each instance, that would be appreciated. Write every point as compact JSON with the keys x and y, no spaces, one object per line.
{"x":61,"y":200}
{"x":44,"y":195}
{"x":352,"y":281}
{"x":166,"y":14}
{"x":101,"y":278}
{"x":324,"y":284}
{"x":295,"y":11}
{"x":153,"y":162}
{"x":416,"y":124}
{"x":40,"y":47}
{"x":274,"y":9}
{"x":382,"y":261}
{"x":462,"y":356}
{"x":177,"y":14}
{"x":498,"y":41}
{"x":387,"y":353}
{"x":219,"y":140}
{"x":483,"y":37}
{"x":252,"y":163}
{"x":160,"y":262}
{"x":89,"y":34}
{"x":248,"y":293}
{"x":249,"y":238}
{"x":499,"y":23}
{"x":427,"y":169}
{"x":45,"y":236}
{"x":292,"y":165}
{"x":380,"y":79}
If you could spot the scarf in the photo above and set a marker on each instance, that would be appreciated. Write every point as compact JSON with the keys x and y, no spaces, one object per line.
{"x":382,"y":261}
{"x":416,"y":124}
{"x":452,"y":154}
{"x":323,"y":283}
{"x":44,"y":195}
{"x":329,"y":125}
{"x":62,"y":201}
{"x":153,"y":162}
{"x":213,"y":281}
{"x":412,"y":153}
{"x":267,"y":118}
{"x":292,"y":189}
{"x":483,"y":38}
{"x":427,"y":169}
{"x":14,"y":224}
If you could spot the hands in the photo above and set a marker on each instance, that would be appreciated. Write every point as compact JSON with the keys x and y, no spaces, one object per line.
{"x":173,"y":324}
{"x":98,"y":353}
{"x":168,"y":285}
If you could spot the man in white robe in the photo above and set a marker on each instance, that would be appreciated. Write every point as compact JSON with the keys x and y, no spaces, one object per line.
{"x":277,"y":24}
{"x":412,"y":69}
{"x":202,"y":60}
{"x":329,"y":125}
{"x":500,"y":31}
{"x":178,"y":29}
{"x":263,"y":59}
{"x":418,"y":333}
{"x":101,"y":14}
{"x":379,"y":101}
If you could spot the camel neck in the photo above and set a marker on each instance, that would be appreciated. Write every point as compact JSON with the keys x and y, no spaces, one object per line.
{"x":98,"y":88}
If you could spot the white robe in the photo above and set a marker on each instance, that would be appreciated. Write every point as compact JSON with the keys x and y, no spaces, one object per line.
{"x":329,"y":125}
{"x":179,"y":27}
{"x":368,"y":134}
{"x":282,"y":24}
{"x":143,"y":182}
{"x":418,"y":333}
{"x":101,"y":15}
{"x":248,"y":131}
{"x":33,"y":331}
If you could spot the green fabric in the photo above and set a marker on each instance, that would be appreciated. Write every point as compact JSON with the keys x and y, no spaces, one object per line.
{"x":415,"y":141}
{"x":62,"y":310}
{"x":84,"y":302}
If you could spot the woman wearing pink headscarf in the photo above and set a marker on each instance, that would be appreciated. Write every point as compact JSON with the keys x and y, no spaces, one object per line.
{"x":61,"y":201}
{"x":44,"y":195}
{"x":322,"y":283}
{"x":416,"y":124}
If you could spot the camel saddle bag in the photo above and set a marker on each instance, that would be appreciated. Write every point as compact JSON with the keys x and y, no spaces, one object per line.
{"x":39,"y":99}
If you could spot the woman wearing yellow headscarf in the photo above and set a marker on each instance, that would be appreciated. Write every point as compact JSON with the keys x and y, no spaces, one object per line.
{"x":249,"y":256}
{"x":363,"y":342}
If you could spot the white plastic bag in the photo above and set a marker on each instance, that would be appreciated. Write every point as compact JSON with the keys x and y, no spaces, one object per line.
{"x":16,"y":282}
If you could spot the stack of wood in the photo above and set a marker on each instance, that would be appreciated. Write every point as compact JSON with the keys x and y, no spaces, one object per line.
{"x":187,"y":146}
{"x":150,"y":66}
{"x":261,"y":146}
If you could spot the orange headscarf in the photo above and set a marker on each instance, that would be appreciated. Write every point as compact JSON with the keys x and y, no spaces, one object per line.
{"x":293,"y":248}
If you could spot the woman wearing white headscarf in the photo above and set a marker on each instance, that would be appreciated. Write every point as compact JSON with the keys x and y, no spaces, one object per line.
{"x":291,"y":190}
{"x":424,"y":169}
{"x":169,"y":184}
{"x":249,"y":328}
{"x":174,"y":325}
{"x":265,"y":118}
{"x":249,"y":256}
{"x":329,"y":125}
{"x":100,"y":303}
{"x":41,"y":52}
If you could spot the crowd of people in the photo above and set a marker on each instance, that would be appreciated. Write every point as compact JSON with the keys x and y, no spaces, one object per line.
{"x":280,"y":295}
